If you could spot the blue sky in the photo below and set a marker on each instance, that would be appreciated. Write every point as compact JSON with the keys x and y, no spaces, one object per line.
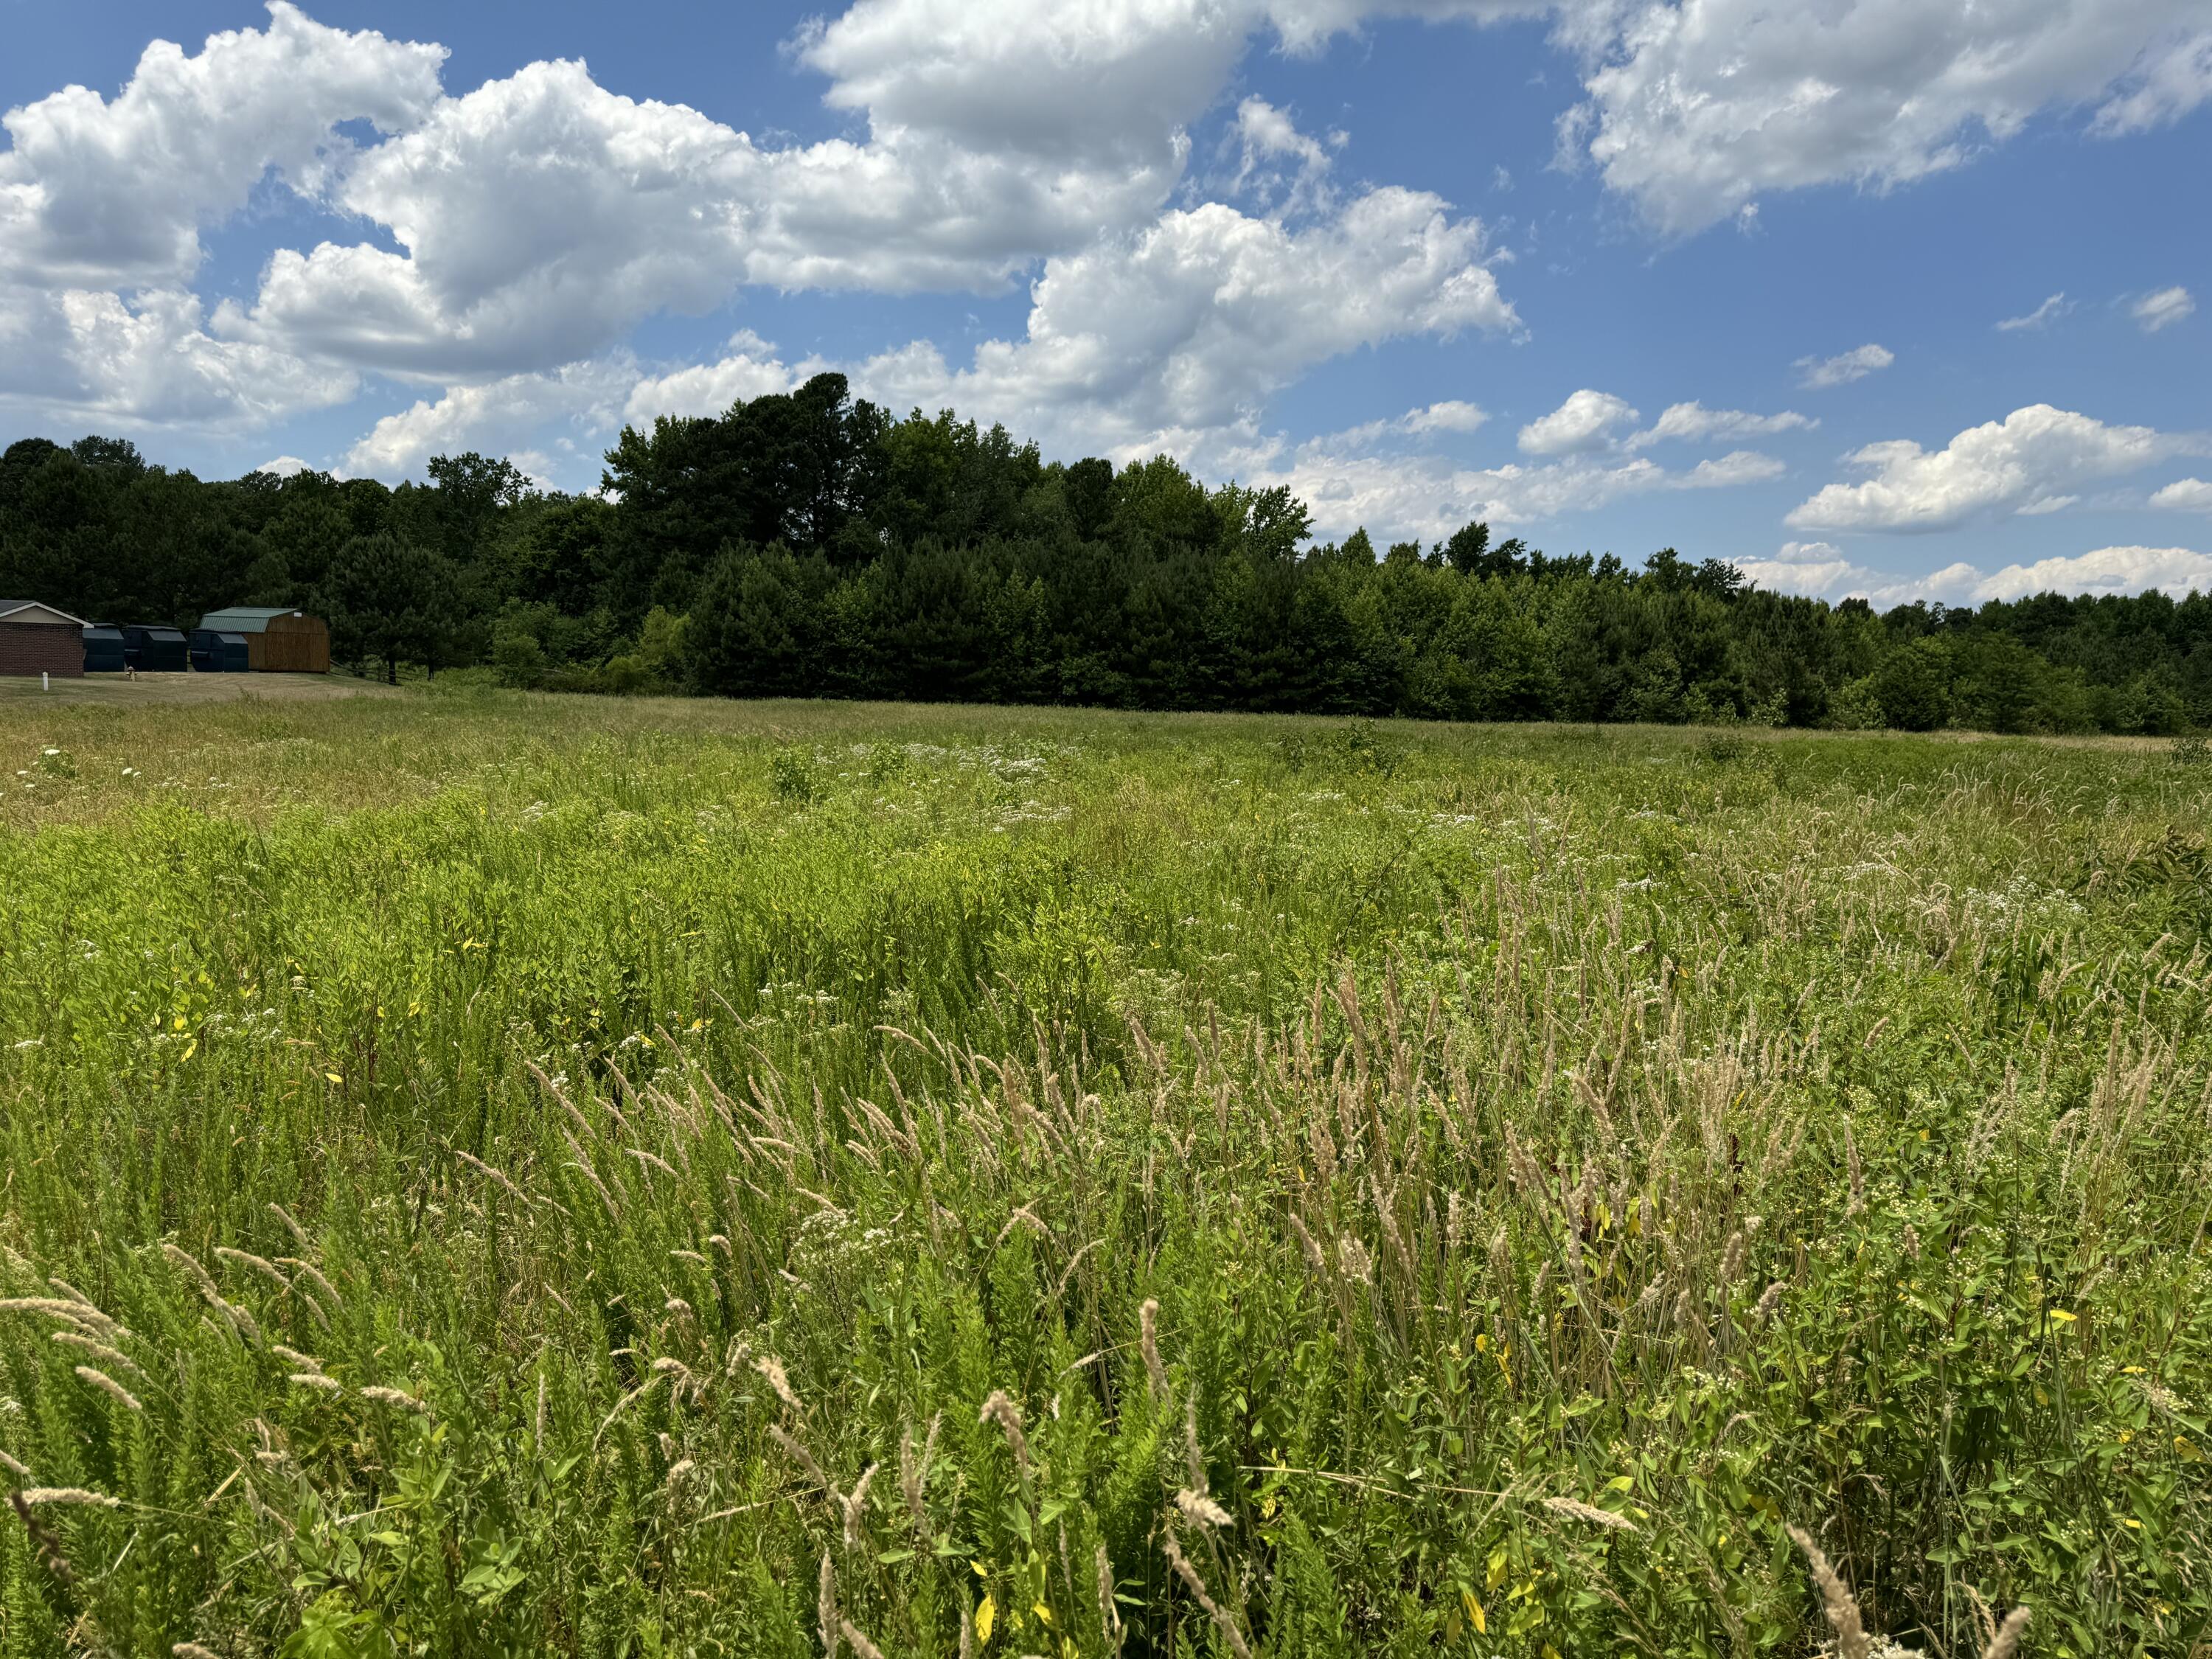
{"x":1726,"y":274}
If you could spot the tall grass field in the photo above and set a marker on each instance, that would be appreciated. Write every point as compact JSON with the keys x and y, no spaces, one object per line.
{"x":498,"y":1175}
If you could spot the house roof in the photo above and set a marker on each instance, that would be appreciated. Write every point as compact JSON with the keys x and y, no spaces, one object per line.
{"x":13,"y":610}
{"x":246,"y":618}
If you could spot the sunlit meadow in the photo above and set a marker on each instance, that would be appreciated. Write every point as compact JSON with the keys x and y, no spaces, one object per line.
{"x":501,"y":1175}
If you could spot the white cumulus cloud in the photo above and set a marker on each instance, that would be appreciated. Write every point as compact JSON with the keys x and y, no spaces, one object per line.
{"x":1808,"y":553}
{"x":2169,"y":84}
{"x":1584,"y":422}
{"x":2174,"y":570}
{"x":1428,"y":497}
{"x":1817,"y":373}
{"x":1695,"y":108}
{"x":2164,"y":308}
{"x":149,"y":360}
{"x":1171,"y":338}
{"x":1188,"y":326}
{"x":751,"y":370}
{"x":1589,"y":422}
{"x":2028,"y":462}
{"x":1453,"y":415}
{"x":1237,"y":448}
{"x":1064,"y":80}
{"x":1280,"y":163}
{"x":2115,"y":570}
{"x":1693,"y":422}
{"x":534,"y":221}
{"x":2185,"y":495}
{"x":2042,"y":317}
{"x":540,"y":216}
{"x":99,"y":193}
{"x":505,"y":415}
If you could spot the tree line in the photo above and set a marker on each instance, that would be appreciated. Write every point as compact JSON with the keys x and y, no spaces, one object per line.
{"x":808,"y":545}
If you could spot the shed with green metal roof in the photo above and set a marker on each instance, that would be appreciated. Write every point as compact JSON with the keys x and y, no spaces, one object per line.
{"x":278,"y":640}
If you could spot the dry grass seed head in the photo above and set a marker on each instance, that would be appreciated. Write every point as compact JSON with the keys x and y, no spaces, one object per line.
{"x":1148,"y":1339}
{"x":1501,"y":1261}
{"x":913,"y":1475}
{"x":1313,"y":1256}
{"x":68,"y":1496}
{"x":1732,"y":1259}
{"x":1574,"y":1509}
{"x":855,"y":1508}
{"x":79,"y":1298}
{"x":240,"y":1321}
{"x":108,"y":1386}
{"x":1109,"y":1614}
{"x":254,"y":1263}
{"x":88,"y":1319}
{"x":1852,"y":1641}
{"x":2006,"y":1643}
{"x":1200,"y":1510}
{"x":313,"y":1275}
{"x":1189,"y":1574}
{"x":799,"y":1455}
{"x":42,"y":1539}
{"x":772,"y":1368}
{"x":1194,"y":1457}
{"x":679,"y":1375}
{"x":114,"y":1358}
{"x":1002,"y":1411}
{"x":404,"y":1401}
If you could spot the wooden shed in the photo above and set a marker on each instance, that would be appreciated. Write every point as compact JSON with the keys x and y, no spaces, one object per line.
{"x":277,"y":641}
{"x":37,"y":639}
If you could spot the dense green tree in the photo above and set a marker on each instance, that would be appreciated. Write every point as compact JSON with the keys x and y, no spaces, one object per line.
{"x":756,"y":628}
{"x":1089,"y":494}
{"x":1914,"y":685}
{"x":1269,"y":523}
{"x":393,"y":601}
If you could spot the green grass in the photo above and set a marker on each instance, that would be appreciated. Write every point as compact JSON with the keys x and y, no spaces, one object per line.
{"x":1719,"y":1131}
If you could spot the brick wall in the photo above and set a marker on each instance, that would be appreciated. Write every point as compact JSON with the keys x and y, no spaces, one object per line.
{"x":36,"y":648}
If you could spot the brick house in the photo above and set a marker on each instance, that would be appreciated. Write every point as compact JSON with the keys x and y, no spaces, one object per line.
{"x":37,"y":639}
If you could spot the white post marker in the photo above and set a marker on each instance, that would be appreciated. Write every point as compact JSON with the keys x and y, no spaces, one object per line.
{"x":45,"y":681}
